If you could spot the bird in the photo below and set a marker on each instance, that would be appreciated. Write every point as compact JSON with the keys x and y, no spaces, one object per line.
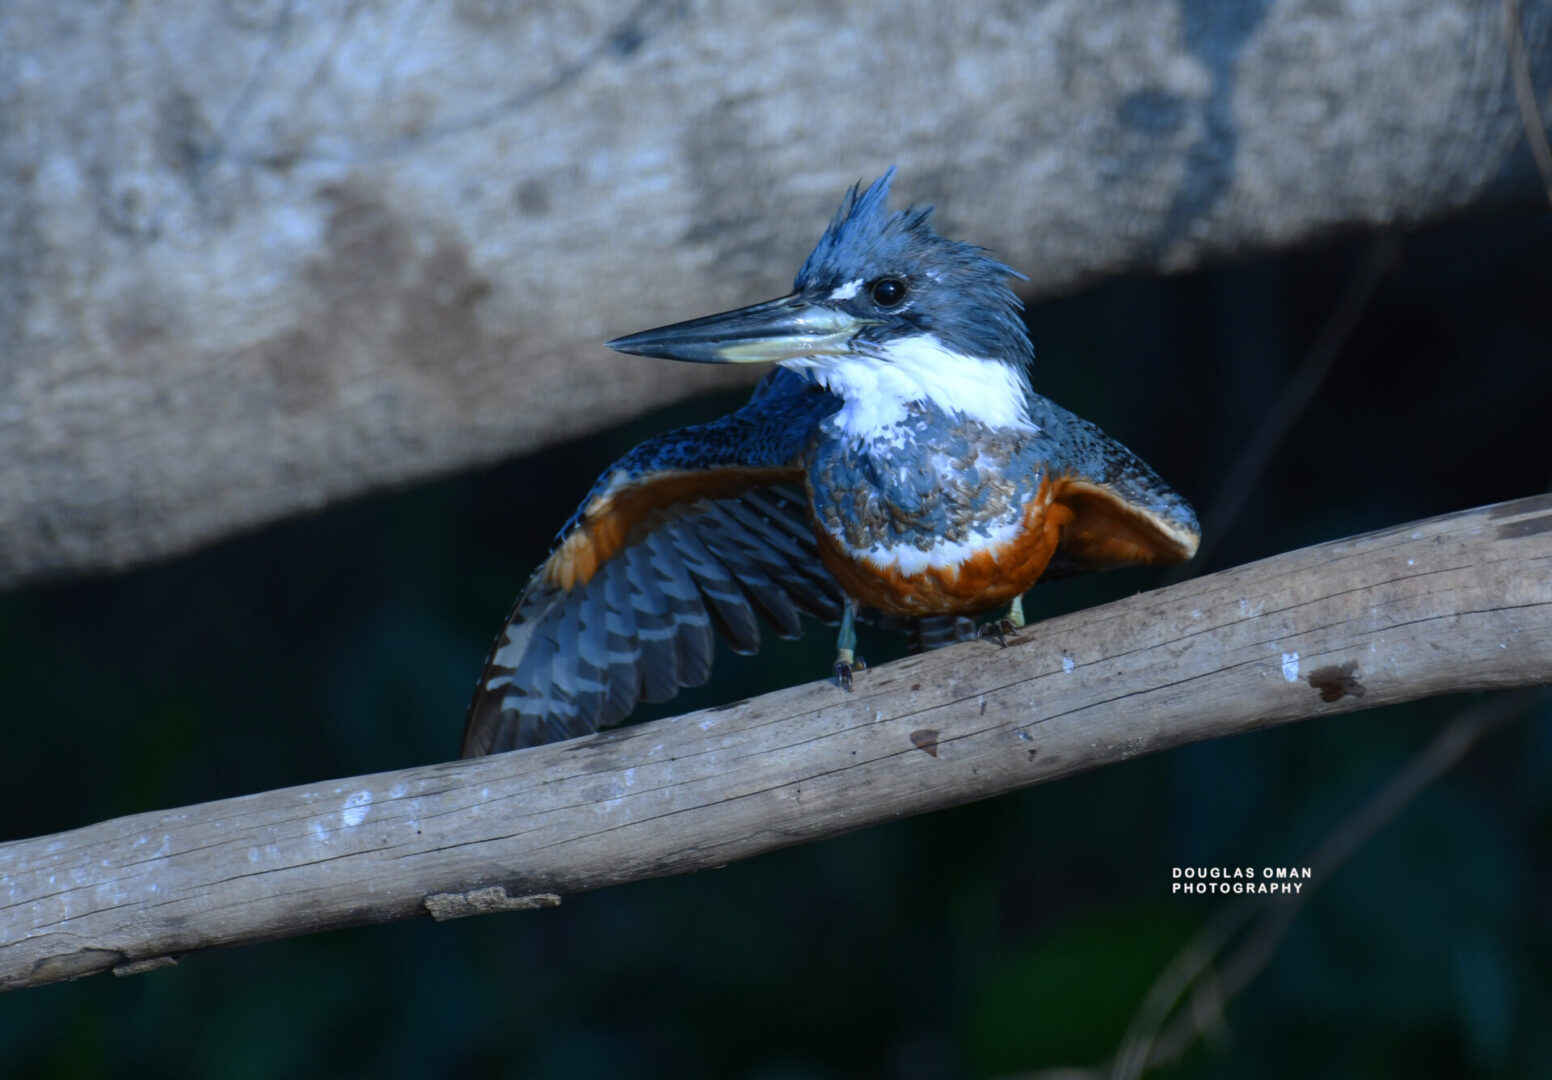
{"x":894,"y":465}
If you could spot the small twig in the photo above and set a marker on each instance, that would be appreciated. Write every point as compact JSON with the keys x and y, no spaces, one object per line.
{"x":1525,"y":93}
{"x":1296,"y":396}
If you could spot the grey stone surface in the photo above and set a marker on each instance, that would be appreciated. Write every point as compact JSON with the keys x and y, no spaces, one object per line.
{"x":257,"y":256}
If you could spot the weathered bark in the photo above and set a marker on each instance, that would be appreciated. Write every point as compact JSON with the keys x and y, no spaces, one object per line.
{"x":256,"y":256}
{"x":1456,"y":603}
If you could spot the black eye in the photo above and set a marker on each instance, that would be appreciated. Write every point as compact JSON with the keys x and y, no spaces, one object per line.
{"x":887,"y":292}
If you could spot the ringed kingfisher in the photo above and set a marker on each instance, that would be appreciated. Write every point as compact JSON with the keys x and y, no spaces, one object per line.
{"x":895,"y":465}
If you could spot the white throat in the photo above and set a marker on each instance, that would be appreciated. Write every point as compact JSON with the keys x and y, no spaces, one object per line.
{"x":879,"y":390}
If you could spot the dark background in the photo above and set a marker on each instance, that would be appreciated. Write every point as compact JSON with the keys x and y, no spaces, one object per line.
{"x":1007,"y":936}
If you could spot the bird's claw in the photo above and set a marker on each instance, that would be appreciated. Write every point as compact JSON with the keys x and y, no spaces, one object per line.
{"x":844,"y":666}
{"x":1001,"y":629}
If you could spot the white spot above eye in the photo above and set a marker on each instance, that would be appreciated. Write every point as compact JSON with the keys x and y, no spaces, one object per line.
{"x":848,"y":290}
{"x":1291,"y":666}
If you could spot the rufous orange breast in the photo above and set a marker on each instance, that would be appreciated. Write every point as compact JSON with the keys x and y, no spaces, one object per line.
{"x":981,"y":577}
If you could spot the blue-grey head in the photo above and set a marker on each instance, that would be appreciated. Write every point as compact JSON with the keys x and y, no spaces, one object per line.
{"x":882,"y":306}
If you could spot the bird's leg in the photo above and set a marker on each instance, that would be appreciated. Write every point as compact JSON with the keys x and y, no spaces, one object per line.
{"x":1007,"y":626}
{"x":846,"y":659}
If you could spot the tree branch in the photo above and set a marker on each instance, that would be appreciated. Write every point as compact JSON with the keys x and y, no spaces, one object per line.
{"x":1462,"y":602}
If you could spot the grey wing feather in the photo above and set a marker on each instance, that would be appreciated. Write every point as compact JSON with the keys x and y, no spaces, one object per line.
{"x":571,"y":661}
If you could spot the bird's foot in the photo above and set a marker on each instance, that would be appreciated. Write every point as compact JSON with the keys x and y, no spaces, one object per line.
{"x":1001,"y":629}
{"x":845,"y":663}
{"x":1007,"y":626}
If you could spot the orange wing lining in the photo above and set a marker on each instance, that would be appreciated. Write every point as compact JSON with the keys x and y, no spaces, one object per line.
{"x":611,"y":520}
{"x":1106,"y":532}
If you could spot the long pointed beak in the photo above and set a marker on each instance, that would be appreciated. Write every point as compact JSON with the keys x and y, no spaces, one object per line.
{"x":781,"y":329}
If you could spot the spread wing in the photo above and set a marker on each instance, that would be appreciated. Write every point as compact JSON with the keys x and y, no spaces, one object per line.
{"x":1122,"y":513}
{"x":698,"y":530}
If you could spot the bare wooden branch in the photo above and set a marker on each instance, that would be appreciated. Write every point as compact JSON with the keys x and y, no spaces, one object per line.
{"x":1462,"y":602}
{"x":259,"y":257}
